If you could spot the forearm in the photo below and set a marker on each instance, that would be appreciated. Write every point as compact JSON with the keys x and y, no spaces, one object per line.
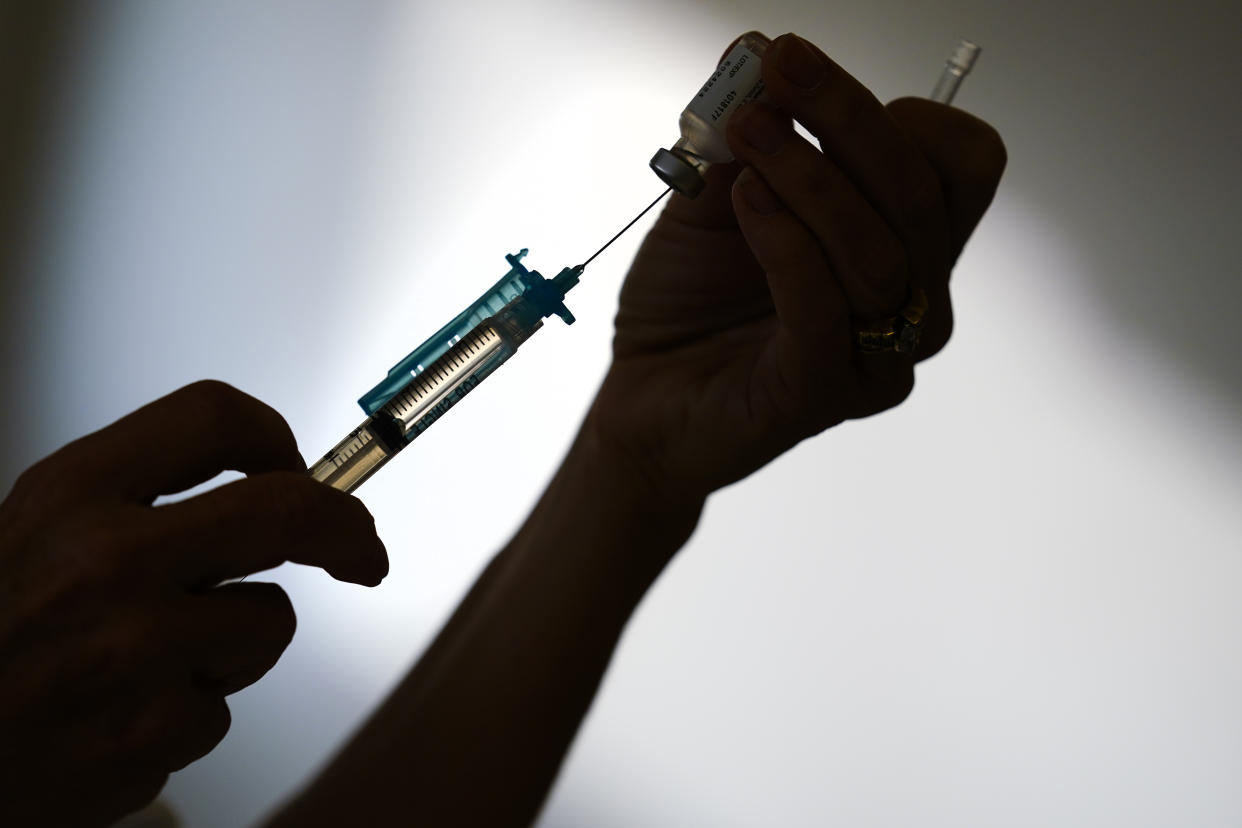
{"x":476,"y":732}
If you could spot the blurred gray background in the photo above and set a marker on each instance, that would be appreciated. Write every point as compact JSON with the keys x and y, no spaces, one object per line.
{"x":1034,"y":621}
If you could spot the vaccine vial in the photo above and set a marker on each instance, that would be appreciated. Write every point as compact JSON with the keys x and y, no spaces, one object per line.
{"x":736,"y":81}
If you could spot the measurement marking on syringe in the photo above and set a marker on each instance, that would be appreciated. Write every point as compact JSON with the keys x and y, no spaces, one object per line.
{"x":439,"y":385}
{"x":347,"y":448}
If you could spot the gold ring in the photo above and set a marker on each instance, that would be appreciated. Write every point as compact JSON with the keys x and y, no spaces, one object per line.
{"x":897,"y":334}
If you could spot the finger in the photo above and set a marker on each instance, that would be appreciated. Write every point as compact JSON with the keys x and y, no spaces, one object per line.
{"x":814,"y":322}
{"x":883,"y":381}
{"x":937,"y":326}
{"x":111,"y":794}
{"x":863,"y":253}
{"x":967,"y":155}
{"x":181,"y":440}
{"x":712,"y":209}
{"x":863,"y":139}
{"x":177,"y":723}
{"x":233,"y":634}
{"x":736,"y":40}
{"x":255,"y":524}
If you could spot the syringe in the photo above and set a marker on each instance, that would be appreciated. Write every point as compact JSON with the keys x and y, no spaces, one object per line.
{"x":449,"y":365}
{"x":445,"y":368}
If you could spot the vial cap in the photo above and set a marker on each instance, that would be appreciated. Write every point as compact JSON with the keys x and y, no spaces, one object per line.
{"x":678,"y":173}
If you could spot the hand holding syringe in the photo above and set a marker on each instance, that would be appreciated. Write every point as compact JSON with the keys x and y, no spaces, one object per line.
{"x":441,"y":371}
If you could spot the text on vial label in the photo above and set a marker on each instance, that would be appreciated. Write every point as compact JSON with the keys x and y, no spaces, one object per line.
{"x":737,"y":80}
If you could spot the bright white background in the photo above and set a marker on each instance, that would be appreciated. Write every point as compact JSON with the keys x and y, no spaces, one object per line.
{"x":1013,"y":601}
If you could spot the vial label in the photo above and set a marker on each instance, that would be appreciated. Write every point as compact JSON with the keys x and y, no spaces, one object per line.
{"x":738,"y":79}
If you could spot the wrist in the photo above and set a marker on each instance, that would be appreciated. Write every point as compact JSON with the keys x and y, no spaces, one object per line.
{"x":621,"y":521}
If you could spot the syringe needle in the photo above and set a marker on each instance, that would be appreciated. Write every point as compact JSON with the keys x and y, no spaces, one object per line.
{"x":623,"y":229}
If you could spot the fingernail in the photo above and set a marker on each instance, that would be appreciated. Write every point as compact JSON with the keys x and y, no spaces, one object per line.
{"x":799,"y":63}
{"x":757,"y":193}
{"x":762,"y":128}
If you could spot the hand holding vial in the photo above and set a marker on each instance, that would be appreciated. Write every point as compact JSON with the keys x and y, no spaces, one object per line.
{"x":733,"y":338}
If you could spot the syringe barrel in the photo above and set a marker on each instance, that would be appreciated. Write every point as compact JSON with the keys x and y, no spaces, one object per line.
{"x":354,"y":459}
{"x":427,"y":396}
{"x":517,"y":282}
{"x":445,"y":368}
{"x":437,"y":389}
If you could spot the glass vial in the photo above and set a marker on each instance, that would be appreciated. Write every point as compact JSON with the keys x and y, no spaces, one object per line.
{"x":737,"y":80}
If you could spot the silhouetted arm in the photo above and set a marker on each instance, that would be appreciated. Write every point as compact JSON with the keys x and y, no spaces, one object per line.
{"x":733,"y":343}
{"x":476,"y":732}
